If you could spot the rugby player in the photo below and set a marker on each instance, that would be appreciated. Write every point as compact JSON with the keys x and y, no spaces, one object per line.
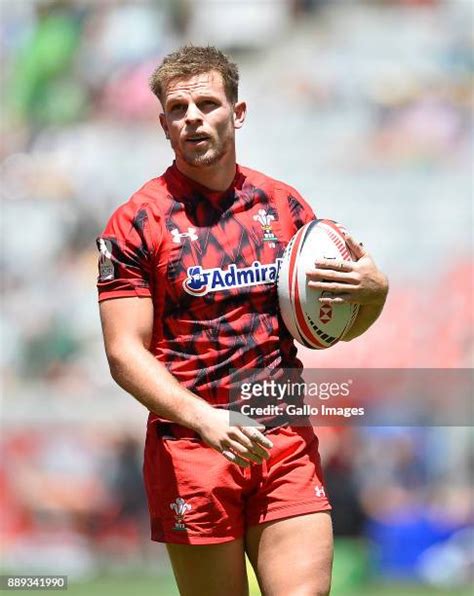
{"x":187,"y":292}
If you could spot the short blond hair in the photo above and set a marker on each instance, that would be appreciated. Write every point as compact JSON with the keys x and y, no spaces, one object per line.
{"x":194,"y":60}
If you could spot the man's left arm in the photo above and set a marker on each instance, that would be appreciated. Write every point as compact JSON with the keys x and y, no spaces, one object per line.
{"x":359,"y":282}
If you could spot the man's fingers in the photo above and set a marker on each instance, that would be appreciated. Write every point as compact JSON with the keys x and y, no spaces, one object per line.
{"x":256,"y":436}
{"x":331,"y":275}
{"x":240,"y":450}
{"x":337,"y":288}
{"x":337,"y":299}
{"x":334,"y":264}
{"x":357,"y":248}
{"x":251,"y":445}
{"x":236,"y":459}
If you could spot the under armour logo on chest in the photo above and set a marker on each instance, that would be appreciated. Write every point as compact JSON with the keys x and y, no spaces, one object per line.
{"x":177,"y":235}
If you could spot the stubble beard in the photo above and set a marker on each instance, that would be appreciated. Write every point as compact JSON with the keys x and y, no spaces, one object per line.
{"x":218,"y":146}
{"x":208,"y":157}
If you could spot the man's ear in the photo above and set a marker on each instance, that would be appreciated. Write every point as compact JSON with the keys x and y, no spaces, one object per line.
{"x":164,"y":126}
{"x":240,"y":111}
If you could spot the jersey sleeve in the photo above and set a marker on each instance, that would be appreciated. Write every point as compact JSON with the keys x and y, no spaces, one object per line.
{"x":300,"y":211}
{"x":127,"y":248}
{"x":296,"y":211}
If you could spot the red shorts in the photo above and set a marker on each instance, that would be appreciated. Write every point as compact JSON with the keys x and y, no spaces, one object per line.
{"x":196,"y":496}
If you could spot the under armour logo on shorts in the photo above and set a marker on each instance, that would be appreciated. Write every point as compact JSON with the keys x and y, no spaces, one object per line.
{"x":319,"y":490}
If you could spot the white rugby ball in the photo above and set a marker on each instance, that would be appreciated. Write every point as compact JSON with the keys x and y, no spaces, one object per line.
{"x":311,"y":323}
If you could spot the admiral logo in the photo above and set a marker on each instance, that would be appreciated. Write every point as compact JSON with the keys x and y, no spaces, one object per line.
{"x":202,"y":281}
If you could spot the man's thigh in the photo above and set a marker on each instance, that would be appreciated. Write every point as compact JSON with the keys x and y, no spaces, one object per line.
{"x":293,"y":556}
{"x":211,"y":569}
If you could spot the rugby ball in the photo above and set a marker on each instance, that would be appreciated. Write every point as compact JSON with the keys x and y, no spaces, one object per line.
{"x":312,"y":324}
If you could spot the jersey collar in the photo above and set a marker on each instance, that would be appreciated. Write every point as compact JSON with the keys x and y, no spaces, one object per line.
{"x":188,"y":190}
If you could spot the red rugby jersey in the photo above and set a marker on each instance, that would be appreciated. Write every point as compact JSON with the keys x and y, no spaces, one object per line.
{"x":208,"y":260}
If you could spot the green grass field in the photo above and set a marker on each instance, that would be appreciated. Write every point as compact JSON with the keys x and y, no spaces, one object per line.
{"x":164,"y":586}
{"x":351,"y":577}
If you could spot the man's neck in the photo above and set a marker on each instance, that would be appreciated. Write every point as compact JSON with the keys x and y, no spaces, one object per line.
{"x":216,"y":177}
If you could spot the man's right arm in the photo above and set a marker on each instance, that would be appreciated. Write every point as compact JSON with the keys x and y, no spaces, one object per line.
{"x":127,"y":325}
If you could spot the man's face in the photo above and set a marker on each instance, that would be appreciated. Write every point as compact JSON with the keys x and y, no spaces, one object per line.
{"x":199,"y":120}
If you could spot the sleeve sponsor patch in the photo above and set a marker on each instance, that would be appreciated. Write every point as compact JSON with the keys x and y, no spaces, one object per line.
{"x":106,"y":266}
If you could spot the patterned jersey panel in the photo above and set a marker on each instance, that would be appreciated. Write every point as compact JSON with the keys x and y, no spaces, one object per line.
{"x":210,"y":261}
{"x":127,"y":248}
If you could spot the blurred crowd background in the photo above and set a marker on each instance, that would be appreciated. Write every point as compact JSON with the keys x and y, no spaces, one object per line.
{"x":366,"y":108}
